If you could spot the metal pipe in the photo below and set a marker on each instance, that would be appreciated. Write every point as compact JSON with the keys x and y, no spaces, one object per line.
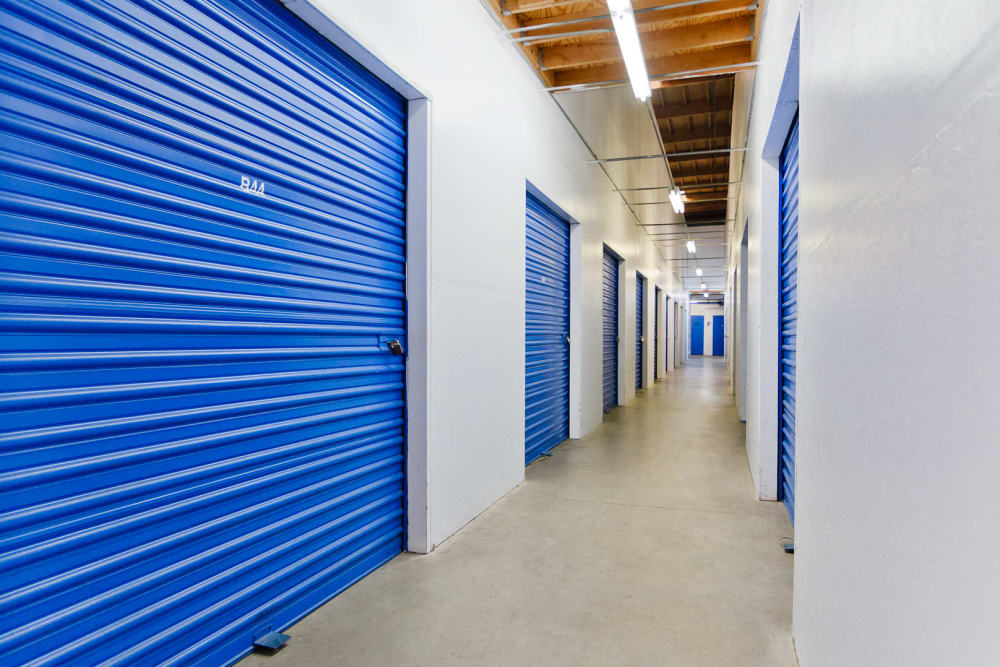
{"x":668,"y":187}
{"x":600,"y":17}
{"x":689,"y":201}
{"x":686,"y":74}
{"x":667,"y":155}
{"x":528,"y":41}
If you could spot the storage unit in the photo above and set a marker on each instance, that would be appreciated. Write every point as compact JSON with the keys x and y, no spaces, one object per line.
{"x":697,"y":334}
{"x":718,"y":335}
{"x":203,"y":209}
{"x":788,"y":312}
{"x":656,"y":333}
{"x":640,"y":337}
{"x":609,"y":336}
{"x":546,"y":330}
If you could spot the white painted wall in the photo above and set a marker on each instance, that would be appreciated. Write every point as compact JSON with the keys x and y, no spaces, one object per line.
{"x":897,"y":502}
{"x":492,"y":127}
{"x":708,"y":311}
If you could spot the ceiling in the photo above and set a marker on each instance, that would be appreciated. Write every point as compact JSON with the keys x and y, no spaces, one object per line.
{"x":693,"y":50}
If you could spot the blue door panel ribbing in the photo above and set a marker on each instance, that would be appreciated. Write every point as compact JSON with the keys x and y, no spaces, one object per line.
{"x":640,"y":287}
{"x":788,"y":316}
{"x":546,"y":330}
{"x":697,"y":334}
{"x":656,"y":333}
{"x":609,"y":305}
{"x":203,"y":262}
{"x":718,"y":335}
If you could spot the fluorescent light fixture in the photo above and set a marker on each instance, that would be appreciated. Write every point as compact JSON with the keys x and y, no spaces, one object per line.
{"x":706,"y":295}
{"x":628,"y":41}
{"x":699,"y":271}
{"x":703,"y":286}
{"x":676,"y":200}
{"x":691,"y":246}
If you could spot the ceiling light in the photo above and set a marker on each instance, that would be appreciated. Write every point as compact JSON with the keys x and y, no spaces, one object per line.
{"x":703,"y":286}
{"x":691,"y":246}
{"x":699,"y":271}
{"x":628,"y":41}
{"x":676,"y":200}
{"x":706,"y":295}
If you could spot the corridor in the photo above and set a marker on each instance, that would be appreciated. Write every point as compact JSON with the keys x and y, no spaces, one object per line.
{"x":640,"y":544}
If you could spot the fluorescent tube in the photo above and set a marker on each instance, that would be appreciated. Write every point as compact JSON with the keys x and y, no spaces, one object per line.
{"x":676,"y":200}
{"x":628,"y":41}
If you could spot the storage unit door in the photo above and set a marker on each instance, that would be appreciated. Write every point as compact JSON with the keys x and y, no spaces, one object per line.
{"x":640,"y":285}
{"x":546,"y":331}
{"x":610,"y":330}
{"x":718,"y":335}
{"x":788,"y":316}
{"x":203,"y":236}
{"x":656,"y":332}
{"x":697,"y":334}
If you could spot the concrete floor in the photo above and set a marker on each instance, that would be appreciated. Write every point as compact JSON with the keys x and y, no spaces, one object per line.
{"x":640,"y":544}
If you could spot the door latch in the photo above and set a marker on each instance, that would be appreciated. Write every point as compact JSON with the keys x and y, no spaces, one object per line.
{"x":388,"y":343}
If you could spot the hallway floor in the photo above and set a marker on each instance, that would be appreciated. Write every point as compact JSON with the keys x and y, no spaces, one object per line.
{"x":640,"y":544}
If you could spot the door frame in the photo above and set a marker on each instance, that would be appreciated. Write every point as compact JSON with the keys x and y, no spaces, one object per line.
{"x":418,"y":302}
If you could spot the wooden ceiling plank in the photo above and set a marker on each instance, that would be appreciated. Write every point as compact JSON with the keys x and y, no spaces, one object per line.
{"x":712,"y":11}
{"x":521,"y":6}
{"x":654,"y":44}
{"x":665,"y":65}
{"x":530,"y":52}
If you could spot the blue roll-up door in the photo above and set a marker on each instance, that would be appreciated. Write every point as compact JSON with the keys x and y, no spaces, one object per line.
{"x":788,"y":316}
{"x":546,"y":330}
{"x":697,"y":334}
{"x":718,"y":335}
{"x":203,"y":269}
{"x":609,"y":305}
{"x":640,"y":288}
{"x":656,"y":333}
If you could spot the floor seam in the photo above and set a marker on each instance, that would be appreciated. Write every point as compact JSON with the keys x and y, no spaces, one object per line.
{"x":672,"y":508}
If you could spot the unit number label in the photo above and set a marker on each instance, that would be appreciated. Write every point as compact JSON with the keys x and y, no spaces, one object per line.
{"x":252,"y":185}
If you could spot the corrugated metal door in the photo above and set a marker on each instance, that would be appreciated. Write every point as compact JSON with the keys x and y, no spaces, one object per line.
{"x":788,"y":316}
{"x":546,"y":330}
{"x":640,"y":338}
{"x":656,"y":332}
{"x":697,"y":334}
{"x":609,"y":304}
{"x":203,"y":266}
{"x":718,"y":335}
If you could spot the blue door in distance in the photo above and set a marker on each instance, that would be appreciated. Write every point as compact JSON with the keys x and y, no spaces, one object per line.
{"x":697,"y":334}
{"x":718,"y":335}
{"x":546,"y":330}
{"x":788,"y":314}
{"x":640,"y":302}
{"x":656,"y":332}
{"x":203,"y":237}
{"x":609,"y":334}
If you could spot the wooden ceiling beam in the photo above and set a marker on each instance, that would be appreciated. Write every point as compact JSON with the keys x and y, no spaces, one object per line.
{"x":530,"y":52}
{"x":721,"y":172}
{"x":671,"y":111}
{"x":520,"y":6}
{"x":706,"y":134}
{"x":719,"y":11}
{"x":662,"y":66}
{"x":654,"y":44}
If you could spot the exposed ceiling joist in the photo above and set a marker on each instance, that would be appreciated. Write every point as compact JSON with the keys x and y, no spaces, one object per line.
{"x":644,"y":18}
{"x":734,"y":55}
{"x":654,"y":44}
